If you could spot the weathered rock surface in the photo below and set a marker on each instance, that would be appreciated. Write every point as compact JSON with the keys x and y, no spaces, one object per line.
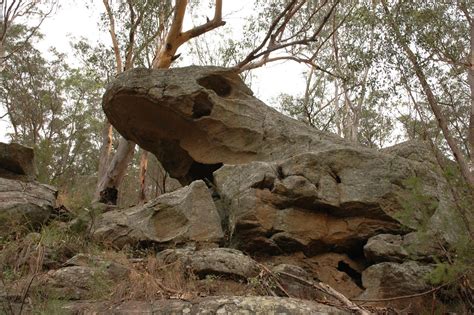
{"x":25,"y":204}
{"x":318,"y":202}
{"x":185,"y":215}
{"x":398,"y":248}
{"x":211,"y":305}
{"x":225,"y":262}
{"x":16,"y":161}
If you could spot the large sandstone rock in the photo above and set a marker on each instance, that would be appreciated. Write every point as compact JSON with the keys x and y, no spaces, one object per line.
{"x":185,"y":215}
{"x":211,"y":305}
{"x":309,"y":190}
{"x":25,"y":204}
{"x":16,"y":161}
{"x":196,"y":118}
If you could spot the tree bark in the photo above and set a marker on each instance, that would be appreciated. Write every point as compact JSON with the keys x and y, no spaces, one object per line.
{"x":143,"y":172}
{"x":462,"y":162}
{"x":116,"y":171}
{"x":470,"y":77}
{"x":105,"y":153}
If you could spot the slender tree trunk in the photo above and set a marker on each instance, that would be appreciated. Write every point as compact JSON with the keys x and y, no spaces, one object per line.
{"x":105,"y":154}
{"x":116,"y":172}
{"x":470,"y":77}
{"x":143,"y":173}
{"x":337,"y":114}
{"x":461,"y":160}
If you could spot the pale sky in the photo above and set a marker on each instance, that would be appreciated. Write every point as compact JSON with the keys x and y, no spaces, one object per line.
{"x":74,"y":20}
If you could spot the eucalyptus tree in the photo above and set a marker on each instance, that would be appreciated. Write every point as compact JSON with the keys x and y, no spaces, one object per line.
{"x":52,"y":108}
{"x":14,"y":12}
{"x":441,"y":58}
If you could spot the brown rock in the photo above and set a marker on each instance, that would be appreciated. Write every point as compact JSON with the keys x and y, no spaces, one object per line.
{"x":16,"y":161}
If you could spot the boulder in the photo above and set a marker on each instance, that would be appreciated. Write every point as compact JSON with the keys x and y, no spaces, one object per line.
{"x":82,"y":277}
{"x":211,"y":305}
{"x":224,"y":262}
{"x":389,"y":279}
{"x":399,"y":248}
{"x":24,"y":204}
{"x":385,"y":247}
{"x":185,"y":215}
{"x":16,"y":161}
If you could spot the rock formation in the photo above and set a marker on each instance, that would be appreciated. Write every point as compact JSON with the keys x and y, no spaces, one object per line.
{"x":284,"y":189}
{"x":274,"y":217}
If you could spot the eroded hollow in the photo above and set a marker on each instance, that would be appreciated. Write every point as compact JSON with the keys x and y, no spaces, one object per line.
{"x":202,"y":106}
{"x":351,"y":272}
{"x":203,"y":171}
{"x":216,"y":83}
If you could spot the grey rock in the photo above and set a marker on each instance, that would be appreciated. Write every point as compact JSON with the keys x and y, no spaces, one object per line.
{"x":196,"y":118}
{"x":210,"y":305}
{"x":185,"y":215}
{"x":385,"y":247}
{"x":225,"y":262}
{"x":17,"y":161}
{"x":389,"y":279}
{"x":82,"y":277}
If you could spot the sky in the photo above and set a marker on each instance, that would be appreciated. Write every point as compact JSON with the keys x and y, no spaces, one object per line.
{"x":73,"y":20}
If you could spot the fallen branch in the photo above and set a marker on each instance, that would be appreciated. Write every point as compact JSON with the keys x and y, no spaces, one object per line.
{"x":325,"y":288}
{"x":410,"y":296}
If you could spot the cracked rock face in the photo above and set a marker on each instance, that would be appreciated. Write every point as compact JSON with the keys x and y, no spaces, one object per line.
{"x":331,"y":201}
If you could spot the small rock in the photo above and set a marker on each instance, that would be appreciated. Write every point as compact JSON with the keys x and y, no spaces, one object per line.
{"x":216,"y":261}
{"x":185,"y":215}
{"x":385,"y":247}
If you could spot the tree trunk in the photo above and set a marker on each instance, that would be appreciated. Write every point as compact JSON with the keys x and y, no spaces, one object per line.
{"x":104,"y":158}
{"x":116,"y":172}
{"x":143,"y":173}
{"x":470,"y":77}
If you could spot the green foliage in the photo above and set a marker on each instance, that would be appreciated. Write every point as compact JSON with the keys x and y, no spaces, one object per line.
{"x":456,"y":257}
